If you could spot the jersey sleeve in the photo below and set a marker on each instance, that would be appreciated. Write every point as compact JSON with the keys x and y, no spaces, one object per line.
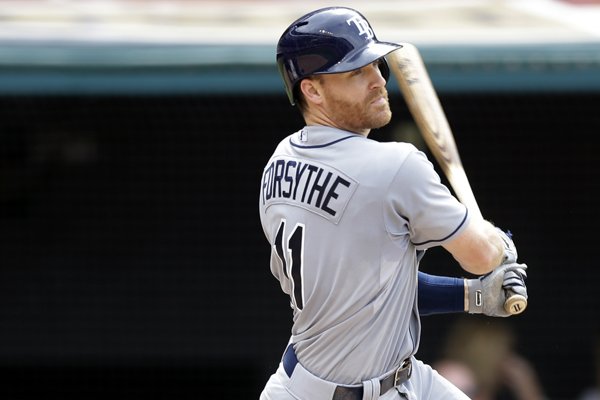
{"x":421,"y":206}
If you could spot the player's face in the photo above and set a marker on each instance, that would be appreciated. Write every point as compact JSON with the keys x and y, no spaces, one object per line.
{"x":357,"y":100}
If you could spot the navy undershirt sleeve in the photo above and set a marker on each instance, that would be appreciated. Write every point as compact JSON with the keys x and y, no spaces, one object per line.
{"x":440,"y":294}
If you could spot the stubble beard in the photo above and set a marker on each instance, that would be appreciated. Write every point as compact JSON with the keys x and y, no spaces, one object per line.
{"x":358,"y":116}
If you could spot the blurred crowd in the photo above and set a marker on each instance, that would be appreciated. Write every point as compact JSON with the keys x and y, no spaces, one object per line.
{"x":480,"y":357}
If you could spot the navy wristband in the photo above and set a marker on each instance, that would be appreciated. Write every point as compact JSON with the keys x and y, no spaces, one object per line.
{"x":440,"y":294}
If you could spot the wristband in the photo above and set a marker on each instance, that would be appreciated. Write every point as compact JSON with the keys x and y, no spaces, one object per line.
{"x":440,"y":294}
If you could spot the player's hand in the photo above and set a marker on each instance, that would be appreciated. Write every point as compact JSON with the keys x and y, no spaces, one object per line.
{"x":514,"y":281}
{"x":486,"y":294}
{"x":510,"y":251}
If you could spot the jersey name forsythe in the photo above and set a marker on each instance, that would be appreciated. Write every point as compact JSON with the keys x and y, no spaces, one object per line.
{"x":313,"y":186}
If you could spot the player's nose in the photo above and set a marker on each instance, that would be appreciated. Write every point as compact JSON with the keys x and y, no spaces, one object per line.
{"x":377,"y":76}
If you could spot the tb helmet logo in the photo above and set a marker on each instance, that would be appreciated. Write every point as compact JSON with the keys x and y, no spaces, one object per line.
{"x":362,"y":26}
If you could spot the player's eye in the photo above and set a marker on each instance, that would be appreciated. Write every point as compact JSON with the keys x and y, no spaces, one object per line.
{"x":378,"y":63}
{"x":375,"y":64}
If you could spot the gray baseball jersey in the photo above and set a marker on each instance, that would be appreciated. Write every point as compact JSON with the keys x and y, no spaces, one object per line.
{"x":347,"y":218}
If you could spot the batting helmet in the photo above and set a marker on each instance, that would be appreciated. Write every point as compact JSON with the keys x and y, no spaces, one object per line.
{"x":327,"y":41}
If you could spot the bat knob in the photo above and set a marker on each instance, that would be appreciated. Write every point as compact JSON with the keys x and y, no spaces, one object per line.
{"x":515,"y":304}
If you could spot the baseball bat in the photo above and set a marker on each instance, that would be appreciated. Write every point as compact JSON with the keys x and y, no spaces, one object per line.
{"x":424,"y":105}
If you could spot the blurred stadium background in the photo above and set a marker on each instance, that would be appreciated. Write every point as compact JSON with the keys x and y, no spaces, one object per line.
{"x":132,"y":140}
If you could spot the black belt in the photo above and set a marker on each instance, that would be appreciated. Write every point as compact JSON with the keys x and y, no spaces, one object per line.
{"x":397,"y":377}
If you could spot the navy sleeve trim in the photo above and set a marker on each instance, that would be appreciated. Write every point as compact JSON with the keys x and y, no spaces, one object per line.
{"x":450,"y":235}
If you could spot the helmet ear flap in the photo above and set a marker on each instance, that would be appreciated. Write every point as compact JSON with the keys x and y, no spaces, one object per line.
{"x":288,"y":83}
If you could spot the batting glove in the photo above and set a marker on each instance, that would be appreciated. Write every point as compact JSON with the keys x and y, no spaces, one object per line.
{"x":487,"y":294}
{"x":510,"y":251}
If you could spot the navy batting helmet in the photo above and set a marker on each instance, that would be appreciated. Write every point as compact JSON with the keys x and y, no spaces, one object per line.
{"x":327,"y":41}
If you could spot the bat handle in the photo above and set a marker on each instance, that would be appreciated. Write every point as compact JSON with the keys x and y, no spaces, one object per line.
{"x":514,"y":303}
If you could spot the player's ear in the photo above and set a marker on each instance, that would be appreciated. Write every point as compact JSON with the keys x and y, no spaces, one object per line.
{"x":312,"y":90}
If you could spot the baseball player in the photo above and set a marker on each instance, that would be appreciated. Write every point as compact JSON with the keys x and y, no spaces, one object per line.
{"x":348,"y":220}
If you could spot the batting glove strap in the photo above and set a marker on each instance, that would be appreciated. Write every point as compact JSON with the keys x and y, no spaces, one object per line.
{"x":510,"y":251}
{"x":473,"y":296}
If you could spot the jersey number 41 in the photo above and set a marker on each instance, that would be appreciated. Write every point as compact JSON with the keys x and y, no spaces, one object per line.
{"x":290,"y":251}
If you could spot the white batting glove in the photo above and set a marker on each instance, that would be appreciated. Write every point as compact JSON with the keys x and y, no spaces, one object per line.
{"x":487,"y":294}
{"x":510,"y":251}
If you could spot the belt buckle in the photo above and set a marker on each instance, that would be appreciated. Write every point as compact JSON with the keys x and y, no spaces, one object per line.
{"x":406,"y":364}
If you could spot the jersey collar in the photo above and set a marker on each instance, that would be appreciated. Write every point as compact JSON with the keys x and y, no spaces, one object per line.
{"x":320,"y":136}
